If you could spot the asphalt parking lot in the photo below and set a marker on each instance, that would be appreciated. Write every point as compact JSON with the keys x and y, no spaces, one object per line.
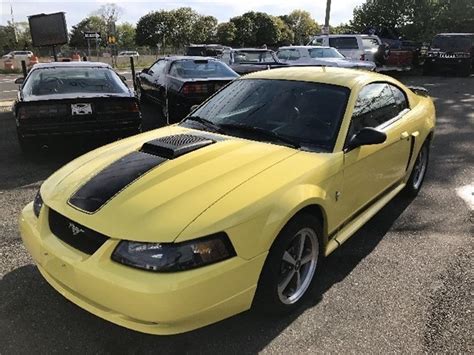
{"x":403,"y":283}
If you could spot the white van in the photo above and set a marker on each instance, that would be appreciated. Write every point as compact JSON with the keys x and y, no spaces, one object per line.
{"x":357,"y":47}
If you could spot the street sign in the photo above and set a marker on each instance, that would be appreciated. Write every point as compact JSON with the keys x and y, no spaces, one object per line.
{"x":92,"y":35}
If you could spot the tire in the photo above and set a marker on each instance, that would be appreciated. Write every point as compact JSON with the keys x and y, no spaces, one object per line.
{"x":285,"y":262}
{"x":417,"y":176}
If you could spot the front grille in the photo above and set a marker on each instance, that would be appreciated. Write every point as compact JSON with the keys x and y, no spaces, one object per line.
{"x":75,"y":234}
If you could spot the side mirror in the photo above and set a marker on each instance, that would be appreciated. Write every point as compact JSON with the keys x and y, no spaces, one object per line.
{"x":19,"y":81}
{"x":366,"y":136}
{"x":145,"y":70}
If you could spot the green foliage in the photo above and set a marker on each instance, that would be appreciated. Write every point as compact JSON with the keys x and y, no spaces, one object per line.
{"x":226,"y":33}
{"x":9,"y":40}
{"x":126,"y":35}
{"x":302,"y":25}
{"x":415,"y":19}
{"x":176,"y":28}
{"x":91,"y":23}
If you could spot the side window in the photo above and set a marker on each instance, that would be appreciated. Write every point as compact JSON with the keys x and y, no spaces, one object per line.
{"x":343,"y":42}
{"x":158,"y":67}
{"x":375,"y":105}
{"x":400,"y":98}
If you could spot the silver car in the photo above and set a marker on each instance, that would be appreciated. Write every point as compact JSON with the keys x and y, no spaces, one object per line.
{"x":316,"y":55}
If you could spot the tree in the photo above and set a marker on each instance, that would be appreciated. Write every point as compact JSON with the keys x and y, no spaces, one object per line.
{"x":302,"y":25}
{"x":7,"y":38}
{"x":91,"y":23}
{"x":244,"y":29}
{"x":109,"y":13}
{"x":153,"y":28}
{"x":256,"y":29}
{"x":341,"y":29}
{"x":204,"y":29}
{"x":126,"y":35}
{"x":226,"y":33}
{"x":286,"y":34}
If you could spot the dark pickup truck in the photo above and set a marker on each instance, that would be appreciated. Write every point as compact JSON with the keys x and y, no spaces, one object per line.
{"x":450,"y":52}
{"x":249,"y":60}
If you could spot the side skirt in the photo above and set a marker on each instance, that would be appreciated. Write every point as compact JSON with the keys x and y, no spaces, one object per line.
{"x":353,"y":226}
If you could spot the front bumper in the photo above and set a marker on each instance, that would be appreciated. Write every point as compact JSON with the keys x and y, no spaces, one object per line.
{"x":440,"y":63}
{"x":155,"y":303}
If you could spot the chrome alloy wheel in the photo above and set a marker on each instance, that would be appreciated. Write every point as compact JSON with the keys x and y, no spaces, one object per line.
{"x":419,"y":169}
{"x":298,"y":266}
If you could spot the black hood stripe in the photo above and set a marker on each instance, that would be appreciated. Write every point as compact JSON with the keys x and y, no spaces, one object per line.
{"x":114,"y":178}
{"x":96,"y":192}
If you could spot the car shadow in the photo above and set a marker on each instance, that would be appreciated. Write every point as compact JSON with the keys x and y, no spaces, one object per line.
{"x":37,"y":316}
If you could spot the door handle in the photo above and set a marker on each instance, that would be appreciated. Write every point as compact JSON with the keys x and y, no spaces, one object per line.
{"x":404,"y":135}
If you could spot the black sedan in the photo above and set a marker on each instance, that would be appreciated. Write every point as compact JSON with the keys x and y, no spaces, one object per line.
{"x":180,"y":82}
{"x":67,"y":99}
{"x":249,"y":60}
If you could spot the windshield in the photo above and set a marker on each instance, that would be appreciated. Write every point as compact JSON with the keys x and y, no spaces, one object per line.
{"x":305,"y":112}
{"x":452,"y":43}
{"x":324,"y":53}
{"x":47,"y":81}
{"x":253,"y":57}
{"x":201,"y":69}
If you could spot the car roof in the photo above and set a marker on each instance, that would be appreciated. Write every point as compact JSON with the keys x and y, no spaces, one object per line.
{"x":72,"y":65}
{"x":455,"y":34}
{"x":349,"y":78}
{"x":304,"y":47}
{"x":189,"y":57}
{"x":252,"y":49}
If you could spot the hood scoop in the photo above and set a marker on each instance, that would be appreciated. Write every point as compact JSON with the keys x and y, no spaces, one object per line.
{"x":171,"y":147}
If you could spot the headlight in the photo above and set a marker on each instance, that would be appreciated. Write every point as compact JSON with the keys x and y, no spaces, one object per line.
{"x":169,"y":257}
{"x":37,"y":204}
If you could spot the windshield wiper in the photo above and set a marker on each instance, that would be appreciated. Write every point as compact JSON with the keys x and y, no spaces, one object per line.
{"x":273,"y":136}
{"x":204,"y":122}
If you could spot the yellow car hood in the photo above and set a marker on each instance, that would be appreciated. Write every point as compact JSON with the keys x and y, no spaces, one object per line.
{"x":160,"y":203}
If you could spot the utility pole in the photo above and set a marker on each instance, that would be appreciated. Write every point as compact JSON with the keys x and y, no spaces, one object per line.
{"x":326,"y":20}
{"x":13,"y":24}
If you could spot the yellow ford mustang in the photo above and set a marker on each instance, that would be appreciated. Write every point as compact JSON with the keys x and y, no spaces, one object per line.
{"x":234,"y":207}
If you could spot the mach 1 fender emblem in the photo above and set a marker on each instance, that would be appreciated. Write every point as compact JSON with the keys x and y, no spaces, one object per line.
{"x":75,"y":229}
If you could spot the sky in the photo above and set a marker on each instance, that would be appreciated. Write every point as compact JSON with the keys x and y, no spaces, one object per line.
{"x":341,"y":10}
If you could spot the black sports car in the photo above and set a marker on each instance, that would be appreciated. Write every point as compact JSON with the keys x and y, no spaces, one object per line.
{"x":180,"y":82}
{"x":74,"y":99}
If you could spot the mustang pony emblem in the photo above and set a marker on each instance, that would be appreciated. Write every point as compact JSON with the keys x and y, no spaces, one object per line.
{"x":75,"y":229}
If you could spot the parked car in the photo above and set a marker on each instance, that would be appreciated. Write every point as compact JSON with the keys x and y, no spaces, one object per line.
{"x":63,"y":99}
{"x":450,"y":52}
{"x":248,"y":60}
{"x":180,"y":82}
{"x":129,"y":54}
{"x":315,"y":55}
{"x":205,"y":50}
{"x":236,"y":206}
{"x":21,"y":55}
{"x":356,"y":46}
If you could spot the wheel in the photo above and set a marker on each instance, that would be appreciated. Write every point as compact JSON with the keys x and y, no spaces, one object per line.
{"x":287,"y":277}
{"x":419,"y":171}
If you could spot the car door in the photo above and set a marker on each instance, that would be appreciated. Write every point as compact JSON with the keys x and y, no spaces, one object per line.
{"x":149,"y":78}
{"x":372,"y":170}
{"x":349,"y":46}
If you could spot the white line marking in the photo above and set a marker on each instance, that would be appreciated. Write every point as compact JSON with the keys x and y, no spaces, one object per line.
{"x":467,"y":194}
{"x":4,"y":91}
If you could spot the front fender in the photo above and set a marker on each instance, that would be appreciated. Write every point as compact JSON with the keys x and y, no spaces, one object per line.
{"x":254,"y":213}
